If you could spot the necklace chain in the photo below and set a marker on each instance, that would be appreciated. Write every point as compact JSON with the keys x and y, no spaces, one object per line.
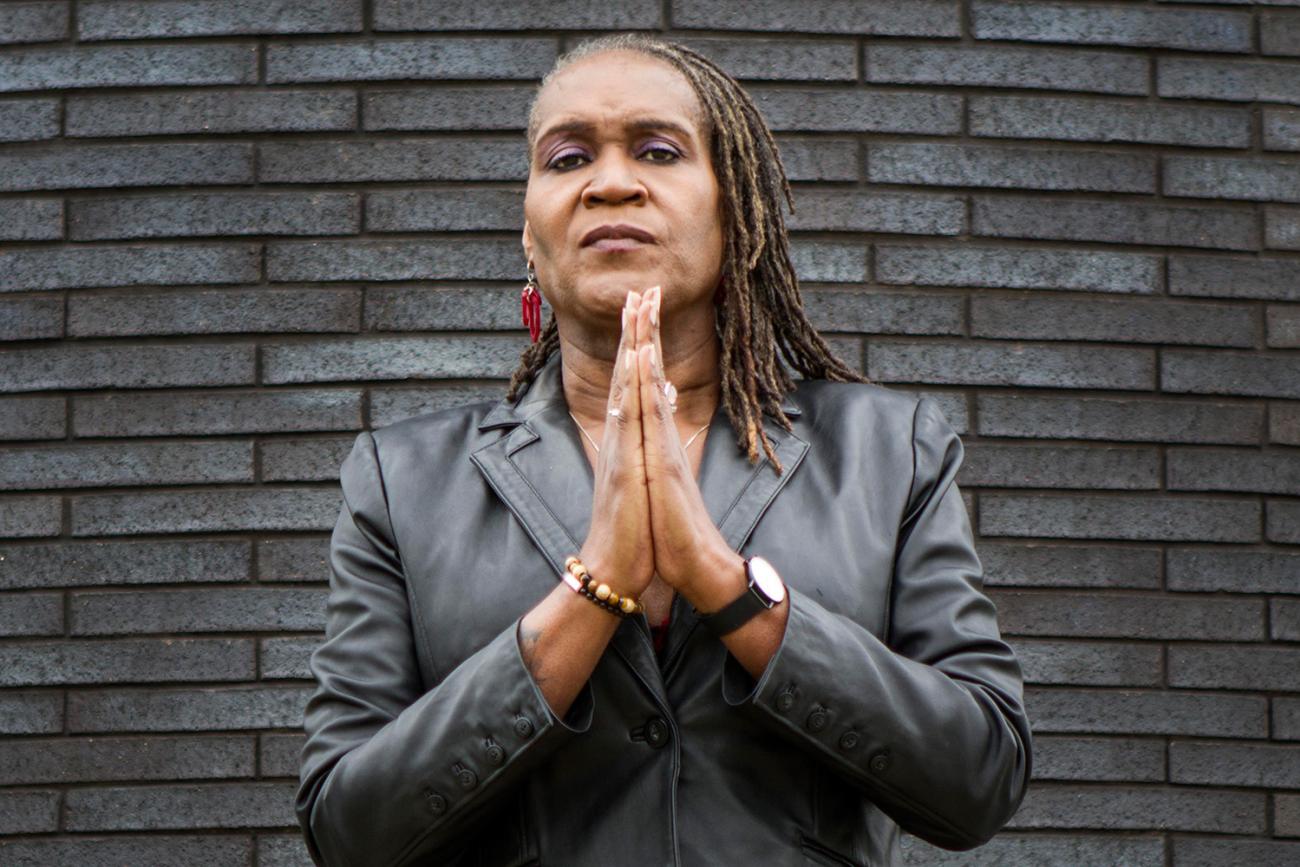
{"x":685,"y":445}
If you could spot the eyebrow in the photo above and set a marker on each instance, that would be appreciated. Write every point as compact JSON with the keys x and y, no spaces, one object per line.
{"x":638,"y":124}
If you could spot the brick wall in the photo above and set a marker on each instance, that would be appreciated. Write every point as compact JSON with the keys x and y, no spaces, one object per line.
{"x":235,"y":232}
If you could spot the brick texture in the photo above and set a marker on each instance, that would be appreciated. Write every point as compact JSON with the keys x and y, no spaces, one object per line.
{"x":234,"y":233}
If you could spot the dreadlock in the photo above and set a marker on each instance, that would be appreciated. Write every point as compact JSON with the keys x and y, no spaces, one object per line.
{"x":761,"y":308}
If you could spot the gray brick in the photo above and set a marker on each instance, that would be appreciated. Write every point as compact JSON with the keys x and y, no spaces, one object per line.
{"x":1183,"y":29}
{"x":32,"y":418}
{"x":833,"y":310}
{"x":1212,"y":763}
{"x":1088,"y":850}
{"x":1232,"y":80}
{"x":93,"y":564}
{"x":872,"y":17}
{"x":465,"y":210}
{"x":25,"y":517}
{"x":1146,"y":712}
{"x":126,"y":366}
{"x":224,"y":412}
{"x":1226,"y":178}
{"x":51,"y":663}
{"x":1231,"y":277}
{"x":1283,"y":522}
{"x":222,"y":312}
{"x":779,"y":59}
{"x":1130,"y":615}
{"x":1123,"y":222}
{"x":34,"y":22}
{"x":1283,"y":327}
{"x":500,"y":107}
{"x":1209,"y":852}
{"x":1109,"y":759}
{"x":1114,"y":120}
{"x":31,"y":220}
{"x":1286,"y":718}
{"x":28,"y":812}
{"x":32,"y":317}
{"x":392,"y":405}
{"x":1230,"y":373}
{"x":74,"y":760}
{"x":1209,"y":569}
{"x":1281,"y":128}
{"x":506,"y":15}
{"x":961,"y":165}
{"x":1161,"y":421}
{"x":127,"y":66}
{"x":1279,"y":33}
{"x":30,"y":614}
{"x":210,"y":112}
{"x":849,"y":211}
{"x":212,"y":805}
{"x":430,"y":58}
{"x":1284,"y":423}
{"x":374,"y":358}
{"x":279,"y":754}
{"x":155,"y":850}
{"x":1087,"y":663}
{"x":1271,"y":472}
{"x":206,"y":511}
{"x":1018,"y":268}
{"x":1243,"y":668}
{"x":303,"y":460}
{"x":822,"y":110}
{"x":410,"y":308}
{"x":126,"y":165}
{"x":819,"y":159}
{"x":1011,"y":364}
{"x":29,"y":119}
{"x":242,"y":609}
{"x":828,"y":261}
{"x":1044,"y":466}
{"x":1284,"y":615}
{"x":1141,"y":808}
{"x":281,"y":850}
{"x":1003,"y":66}
{"x":1056,"y":565}
{"x":1281,"y":228}
{"x":449,"y":158}
{"x":31,"y":713}
{"x":109,"y":465}
{"x":1028,"y":317}
{"x":1120,"y":516}
{"x":287,"y":658}
{"x":196,"y":709}
{"x":86,"y":266}
{"x":215,"y":214}
{"x":293,"y":560}
{"x":159,"y":18}
{"x":463,"y":259}
{"x":1286,"y":815}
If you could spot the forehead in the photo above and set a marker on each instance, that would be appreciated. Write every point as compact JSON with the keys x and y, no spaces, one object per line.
{"x":619,"y":87}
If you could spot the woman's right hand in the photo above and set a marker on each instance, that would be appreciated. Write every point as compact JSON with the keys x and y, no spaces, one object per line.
{"x":619,"y":550}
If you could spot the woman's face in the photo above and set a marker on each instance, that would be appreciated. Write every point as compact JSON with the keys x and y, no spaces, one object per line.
{"x":620,"y":142}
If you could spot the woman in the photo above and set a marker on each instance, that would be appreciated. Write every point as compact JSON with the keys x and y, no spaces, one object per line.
{"x":792,"y":704}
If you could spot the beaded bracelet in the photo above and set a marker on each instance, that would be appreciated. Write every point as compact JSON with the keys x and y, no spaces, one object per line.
{"x":577,"y":577}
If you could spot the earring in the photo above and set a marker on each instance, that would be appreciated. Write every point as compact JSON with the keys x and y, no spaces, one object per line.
{"x":531,"y":305}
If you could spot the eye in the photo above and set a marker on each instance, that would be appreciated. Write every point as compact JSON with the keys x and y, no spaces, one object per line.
{"x":555,"y":163}
{"x":661,"y":149}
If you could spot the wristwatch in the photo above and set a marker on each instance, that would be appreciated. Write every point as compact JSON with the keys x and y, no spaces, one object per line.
{"x":765,"y":590}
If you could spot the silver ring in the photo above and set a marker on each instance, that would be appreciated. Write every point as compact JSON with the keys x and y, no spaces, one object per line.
{"x":616,"y":412}
{"x":670,"y":392}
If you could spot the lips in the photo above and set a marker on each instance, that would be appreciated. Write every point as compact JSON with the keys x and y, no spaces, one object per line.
{"x":621,"y":230}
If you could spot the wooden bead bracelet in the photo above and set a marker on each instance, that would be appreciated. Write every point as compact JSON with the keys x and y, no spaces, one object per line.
{"x":578,"y":578}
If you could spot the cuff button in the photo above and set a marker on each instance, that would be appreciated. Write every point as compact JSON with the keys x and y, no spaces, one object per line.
{"x":495,"y":754}
{"x":849,"y":740}
{"x":467,"y":778}
{"x":523,"y":727}
{"x":437,"y":803}
{"x":817,"y":720}
{"x":880,"y":762}
{"x":785,"y":700}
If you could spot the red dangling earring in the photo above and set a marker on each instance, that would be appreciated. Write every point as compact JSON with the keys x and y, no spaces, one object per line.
{"x":531,"y":304}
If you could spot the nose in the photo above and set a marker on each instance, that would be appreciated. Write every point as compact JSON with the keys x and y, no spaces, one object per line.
{"x":615,"y":180}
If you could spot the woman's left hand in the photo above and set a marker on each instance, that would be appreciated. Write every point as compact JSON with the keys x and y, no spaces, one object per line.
{"x":687,"y":544}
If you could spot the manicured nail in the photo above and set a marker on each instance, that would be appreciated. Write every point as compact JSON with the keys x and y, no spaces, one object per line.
{"x":652,"y":356}
{"x":624,"y":317}
{"x":654,"y":311}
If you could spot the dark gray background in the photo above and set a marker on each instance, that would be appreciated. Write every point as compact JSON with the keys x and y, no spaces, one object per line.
{"x":235,"y":233}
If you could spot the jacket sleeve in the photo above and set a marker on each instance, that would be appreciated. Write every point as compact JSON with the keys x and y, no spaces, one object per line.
{"x":931,"y":726}
{"x":390,"y":773}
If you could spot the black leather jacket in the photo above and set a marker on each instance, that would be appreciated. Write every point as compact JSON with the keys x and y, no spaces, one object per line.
{"x":891,"y":701}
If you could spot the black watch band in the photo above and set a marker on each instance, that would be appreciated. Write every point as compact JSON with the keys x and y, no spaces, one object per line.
{"x":749,"y":604}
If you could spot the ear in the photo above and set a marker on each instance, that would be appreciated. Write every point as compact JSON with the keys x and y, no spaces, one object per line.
{"x":528,"y":240}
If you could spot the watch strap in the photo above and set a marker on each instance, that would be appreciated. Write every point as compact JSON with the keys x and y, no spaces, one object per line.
{"x":735,"y":614}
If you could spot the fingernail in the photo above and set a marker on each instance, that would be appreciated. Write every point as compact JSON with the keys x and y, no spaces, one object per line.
{"x":631,"y":359}
{"x":654,"y":312}
{"x":624,"y":316}
{"x":652,"y":356}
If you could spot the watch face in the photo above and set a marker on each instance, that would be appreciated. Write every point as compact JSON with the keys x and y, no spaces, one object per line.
{"x":766,"y":579}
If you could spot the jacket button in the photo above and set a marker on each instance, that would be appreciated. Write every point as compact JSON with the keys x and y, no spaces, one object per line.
{"x":467,"y":778}
{"x":437,"y":803}
{"x":523,"y":727}
{"x":880,"y":762}
{"x":656,"y":732}
{"x":817,"y":720}
{"x":785,"y":700}
{"x":495,"y":754}
{"x":849,"y":740}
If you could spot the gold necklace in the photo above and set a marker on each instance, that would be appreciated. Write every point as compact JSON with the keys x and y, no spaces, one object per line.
{"x":685,"y":445}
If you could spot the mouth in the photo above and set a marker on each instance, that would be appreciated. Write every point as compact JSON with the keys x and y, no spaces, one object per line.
{"x":617,"y":237}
